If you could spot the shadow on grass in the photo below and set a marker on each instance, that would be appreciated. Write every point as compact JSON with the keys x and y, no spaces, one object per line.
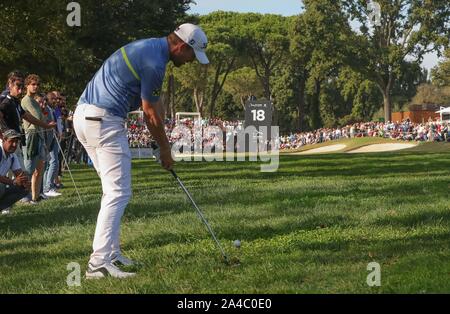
{"x":155,"y":180}
{"x":299,"y":201}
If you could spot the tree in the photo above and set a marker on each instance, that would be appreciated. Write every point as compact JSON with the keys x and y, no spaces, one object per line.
{"x":441,"y":73}
{"x":265,"y":39}
{"x":407,"y":28}
{"x":227,"y":108}
{"x":243,"y":83}
{"x":361,"y":94}
{"x":431,"y":94}
{"x":35,"y":37}
{"x":174,"y":95}
{"x":194,"y":77}
{"x":224,"y":47}
{"x":286,"y":94}
{"x":320,"y":44}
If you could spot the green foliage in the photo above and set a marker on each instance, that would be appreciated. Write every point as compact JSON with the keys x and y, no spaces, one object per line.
{"x":265,"y":42}
{"x":194,"y":77}
{"x":431,"y":94}
{"x":228,"y":109}
{"x":243,"y":83}
{"x":35,"y":37}
{"x":408,"y":28}
{"x":314,"y":67}
{"x":285,"y":91}
{"x":441,"y":74}
{"x":362,"y":96}
{"x":224,"y":49}
{"x":320,"y":44}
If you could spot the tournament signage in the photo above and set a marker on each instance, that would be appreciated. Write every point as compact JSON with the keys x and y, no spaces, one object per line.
{"x":258,"y":113}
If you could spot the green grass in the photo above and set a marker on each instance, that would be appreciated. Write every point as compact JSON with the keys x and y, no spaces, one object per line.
{"x":311,"y":227}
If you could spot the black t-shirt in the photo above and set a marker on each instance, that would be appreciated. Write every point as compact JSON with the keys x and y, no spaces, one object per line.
{"x":12,"y":112}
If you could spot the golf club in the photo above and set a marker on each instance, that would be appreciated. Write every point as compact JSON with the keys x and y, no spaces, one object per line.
{"x":201,"y":216}
{"x":68,"y":168}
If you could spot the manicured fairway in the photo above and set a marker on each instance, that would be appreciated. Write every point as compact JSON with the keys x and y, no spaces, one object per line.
{"x":311,"y":227}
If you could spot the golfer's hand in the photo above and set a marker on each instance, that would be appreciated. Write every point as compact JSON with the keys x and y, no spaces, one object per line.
{"x":166,"y":159}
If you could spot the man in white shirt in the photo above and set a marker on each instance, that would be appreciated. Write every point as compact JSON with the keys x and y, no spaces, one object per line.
{"x":11,"y":190}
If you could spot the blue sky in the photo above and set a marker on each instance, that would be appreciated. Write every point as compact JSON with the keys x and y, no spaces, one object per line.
{"x":283,"y":7}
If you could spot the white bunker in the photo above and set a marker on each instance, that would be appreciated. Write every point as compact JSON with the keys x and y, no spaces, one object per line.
{"x":324,"y":149}
{"x":386,"y":147}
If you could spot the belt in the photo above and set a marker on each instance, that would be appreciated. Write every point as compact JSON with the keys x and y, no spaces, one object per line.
{"x":93,"y":119}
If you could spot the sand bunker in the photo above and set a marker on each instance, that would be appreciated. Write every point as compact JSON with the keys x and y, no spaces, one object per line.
{"x":388,"y":147}
{"x":324,"y":149}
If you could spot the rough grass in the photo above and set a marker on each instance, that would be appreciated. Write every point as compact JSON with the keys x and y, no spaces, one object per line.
{"x":311,"y":227}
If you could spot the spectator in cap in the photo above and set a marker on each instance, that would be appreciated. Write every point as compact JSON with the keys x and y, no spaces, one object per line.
{"x":11,"y":191}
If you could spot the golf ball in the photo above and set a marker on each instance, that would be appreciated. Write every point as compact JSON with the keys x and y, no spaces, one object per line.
{"x":237,"y":243}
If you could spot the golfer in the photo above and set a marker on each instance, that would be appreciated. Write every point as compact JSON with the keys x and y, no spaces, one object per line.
{"x":127,"y":80}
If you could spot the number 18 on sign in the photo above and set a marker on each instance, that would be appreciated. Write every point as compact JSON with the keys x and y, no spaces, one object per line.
{"x":258,"y":114}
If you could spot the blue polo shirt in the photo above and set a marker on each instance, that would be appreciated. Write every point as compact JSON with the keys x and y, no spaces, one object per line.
{"x":119,"y":87}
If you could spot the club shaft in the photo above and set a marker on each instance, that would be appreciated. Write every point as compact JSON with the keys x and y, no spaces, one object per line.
{"x":200,"y":214}
{"x":67,"y":164}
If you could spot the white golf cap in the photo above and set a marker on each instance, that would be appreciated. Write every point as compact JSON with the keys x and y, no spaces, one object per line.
{"x":194,"y":36}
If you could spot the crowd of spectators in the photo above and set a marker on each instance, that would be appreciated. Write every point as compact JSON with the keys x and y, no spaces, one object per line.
{"x":405,"y":131}
{"x":139,"y":136}
{"x":36,"y":133}
{"x":183,"y":132}
{"x":33,"y":127}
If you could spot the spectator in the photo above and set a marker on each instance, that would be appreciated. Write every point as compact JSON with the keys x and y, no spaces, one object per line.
{"x":51,"y":164}
{"x":12,"y":113}
{"x":35,"y":151}
{"x":11,"y":191}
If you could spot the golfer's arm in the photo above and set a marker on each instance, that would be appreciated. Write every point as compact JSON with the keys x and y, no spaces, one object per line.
{"x":155,"y":123}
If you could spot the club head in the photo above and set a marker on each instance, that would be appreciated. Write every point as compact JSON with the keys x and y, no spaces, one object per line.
{"x":232,"y":262}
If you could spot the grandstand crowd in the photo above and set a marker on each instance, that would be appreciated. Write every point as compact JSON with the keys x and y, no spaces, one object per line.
{"x":404,"y":131}
{"x":139,"y":136}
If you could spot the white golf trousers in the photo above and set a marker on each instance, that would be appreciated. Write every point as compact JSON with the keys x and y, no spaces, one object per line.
{"x":107,"y":145}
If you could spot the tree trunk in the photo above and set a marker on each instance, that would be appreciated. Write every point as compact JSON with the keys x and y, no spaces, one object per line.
{"x":301,"y":105}
{"x":387,"y":106}
{"x":386,"y":91}
{"x":198,"y":98}
{"x":315,"y":108}
{"x":243,"y":98}
{"x":218,"y":86}
{"x":266,"y":83}
{"x":171,"y":92}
